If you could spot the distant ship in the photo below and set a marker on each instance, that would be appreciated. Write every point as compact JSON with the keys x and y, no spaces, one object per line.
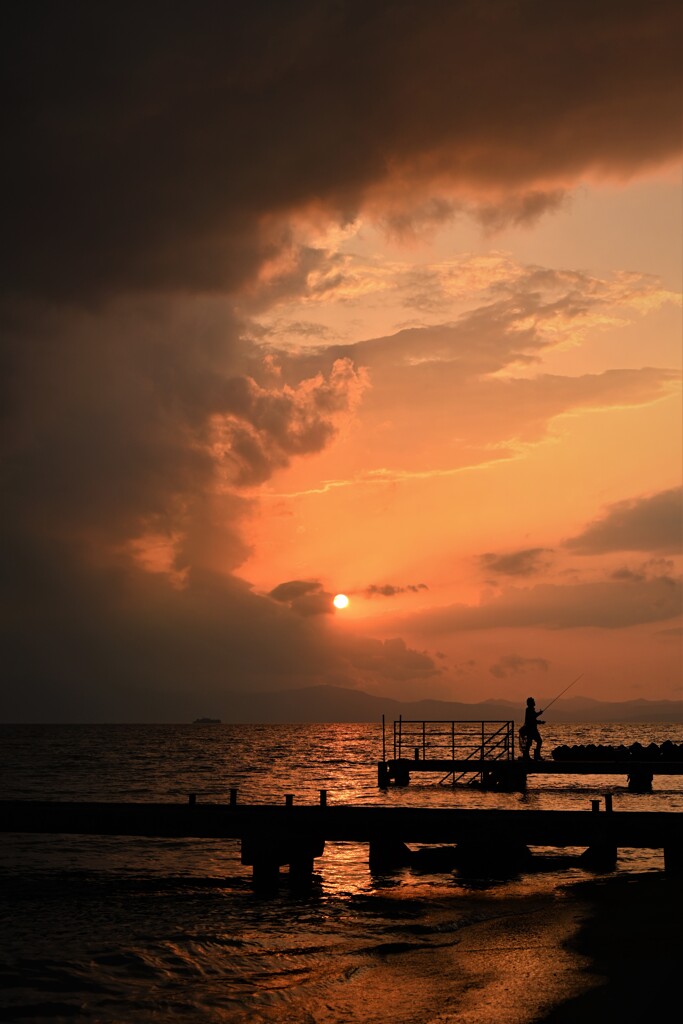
{"x":207,"y":721}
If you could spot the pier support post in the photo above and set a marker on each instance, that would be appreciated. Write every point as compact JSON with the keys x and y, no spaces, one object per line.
{"x":265,"y":875}
{"x":401,"y":773}
{"x":506,"y":777}
{"x":387,"y":854}
{"x":301,"y":871}
{"x":673,"y":859}
{"x":639,"y":781}
{"x":601,"y":855}
{"x":493,"y":858}
{"x":519,"y":778}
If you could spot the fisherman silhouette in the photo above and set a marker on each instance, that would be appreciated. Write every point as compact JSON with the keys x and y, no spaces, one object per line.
{"x":529,"y":733}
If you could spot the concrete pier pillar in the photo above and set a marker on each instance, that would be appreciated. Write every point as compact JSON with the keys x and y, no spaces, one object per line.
{"x":266,"y":853}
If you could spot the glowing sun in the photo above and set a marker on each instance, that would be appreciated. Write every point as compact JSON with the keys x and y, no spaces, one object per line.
{"x":340,"y":601}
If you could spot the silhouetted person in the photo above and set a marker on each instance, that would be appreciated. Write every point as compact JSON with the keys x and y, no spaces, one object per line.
{"x":529,"y":731}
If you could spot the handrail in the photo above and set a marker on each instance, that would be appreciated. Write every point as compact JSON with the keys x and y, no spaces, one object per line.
{"x":463,"y":739}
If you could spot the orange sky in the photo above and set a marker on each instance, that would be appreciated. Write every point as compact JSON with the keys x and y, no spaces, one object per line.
{"x":445,"y":470}
{"x":383,"y":301}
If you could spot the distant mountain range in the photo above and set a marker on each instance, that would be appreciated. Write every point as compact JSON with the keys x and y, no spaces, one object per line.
{"x":337,"y":704}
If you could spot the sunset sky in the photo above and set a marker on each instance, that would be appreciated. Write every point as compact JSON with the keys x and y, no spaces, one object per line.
{"x":321,"y":297}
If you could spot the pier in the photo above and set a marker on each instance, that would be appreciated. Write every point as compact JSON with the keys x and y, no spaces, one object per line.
{"x":273,"y":836}
{"x":483,"y":753}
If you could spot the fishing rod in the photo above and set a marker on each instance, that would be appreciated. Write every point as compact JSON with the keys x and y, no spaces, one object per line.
{"x":560,"y":694}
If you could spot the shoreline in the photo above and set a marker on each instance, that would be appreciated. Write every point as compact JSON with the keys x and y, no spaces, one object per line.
{"x":597,"y":950}
{"x":629,"y":936}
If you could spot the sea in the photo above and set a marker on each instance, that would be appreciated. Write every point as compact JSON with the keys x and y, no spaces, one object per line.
{"x":121,"y":930}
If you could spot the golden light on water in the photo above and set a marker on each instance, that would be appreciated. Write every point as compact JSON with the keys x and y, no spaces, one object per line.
{"x":340,"y":601}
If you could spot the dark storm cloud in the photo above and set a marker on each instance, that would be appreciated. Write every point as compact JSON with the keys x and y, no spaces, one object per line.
{"x":133,"y":417}
{"x":123,"y":515}
{"x":650,"y":523}
{"x":158,"y":144}
{"x":84,"y":642}
{"x":516,"y":563}
{"x":165,"y":148}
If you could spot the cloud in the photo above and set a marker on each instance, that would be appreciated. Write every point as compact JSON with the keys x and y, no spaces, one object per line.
{"x":294,"y":589}
{"x":627,"y":574}
{"x":156,"y":172}
{"x":170,"y":152}
{"x":389,"y":590}
{"x":648,"y":523}
{"x":520,"y":209}
{"x":306,"y":597}
{"x":514,"y":664}
{"x":259,"y":429}
{"x":480,"y":368}
{"x":608,"y":604}
{"x":147,"y":418}
{"x":525,"y":562}
{"x":131,"y":432}
{"x":390,"y":659}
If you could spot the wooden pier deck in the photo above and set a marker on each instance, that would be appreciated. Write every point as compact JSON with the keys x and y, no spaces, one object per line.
{"x":272,"y":835}
{"x":511,"y":775}
{"x":484,"y":751}
{"x":545,"y":767}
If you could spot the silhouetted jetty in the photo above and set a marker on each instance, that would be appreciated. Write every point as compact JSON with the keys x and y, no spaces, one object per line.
{"x":483,"y":752}
{"x":275,"y":835}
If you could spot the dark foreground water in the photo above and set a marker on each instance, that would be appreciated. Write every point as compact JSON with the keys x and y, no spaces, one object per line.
{"x":124,"y":931}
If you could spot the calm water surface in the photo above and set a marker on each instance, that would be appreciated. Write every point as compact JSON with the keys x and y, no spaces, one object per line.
{"x":124,"y":931}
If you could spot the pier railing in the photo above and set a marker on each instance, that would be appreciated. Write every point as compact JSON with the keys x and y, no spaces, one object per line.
{"x":456,"y":740}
